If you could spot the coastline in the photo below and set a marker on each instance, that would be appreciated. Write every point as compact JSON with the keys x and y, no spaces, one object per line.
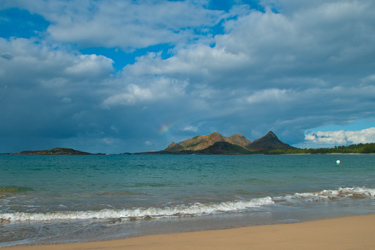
{"x":354,"y":232}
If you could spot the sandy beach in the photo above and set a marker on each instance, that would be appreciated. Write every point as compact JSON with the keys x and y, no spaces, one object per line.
{"x":356,"y":232}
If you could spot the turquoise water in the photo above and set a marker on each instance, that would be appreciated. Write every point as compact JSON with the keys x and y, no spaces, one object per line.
{"x":50,"y":199}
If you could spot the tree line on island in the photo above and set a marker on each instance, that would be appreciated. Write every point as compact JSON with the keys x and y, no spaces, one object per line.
{"x":217,"y":144}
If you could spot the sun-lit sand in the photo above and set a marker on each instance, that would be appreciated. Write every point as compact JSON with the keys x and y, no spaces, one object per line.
{"x":357,"y":232}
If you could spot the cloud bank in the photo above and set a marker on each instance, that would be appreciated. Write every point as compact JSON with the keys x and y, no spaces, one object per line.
{"x":338,"y":138}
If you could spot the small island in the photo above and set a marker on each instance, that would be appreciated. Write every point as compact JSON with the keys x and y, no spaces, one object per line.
{"x":55,"y":151}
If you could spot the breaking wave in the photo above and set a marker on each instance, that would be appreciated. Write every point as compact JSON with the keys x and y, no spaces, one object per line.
{"x":197,"y":209}
{"x":340,"y":193}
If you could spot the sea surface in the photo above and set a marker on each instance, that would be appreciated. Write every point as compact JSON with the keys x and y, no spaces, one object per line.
{"x":58,"y":199}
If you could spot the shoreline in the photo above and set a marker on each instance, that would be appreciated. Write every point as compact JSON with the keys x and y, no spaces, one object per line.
{"x":353,"y":232}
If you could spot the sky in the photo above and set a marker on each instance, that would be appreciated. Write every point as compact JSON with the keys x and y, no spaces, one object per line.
{"x":120,"y":76}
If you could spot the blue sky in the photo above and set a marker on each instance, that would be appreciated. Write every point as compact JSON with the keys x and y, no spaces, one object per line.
{"x":132,"y":76}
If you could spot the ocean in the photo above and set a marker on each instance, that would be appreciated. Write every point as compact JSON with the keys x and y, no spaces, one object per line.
{"x":60,"y":199}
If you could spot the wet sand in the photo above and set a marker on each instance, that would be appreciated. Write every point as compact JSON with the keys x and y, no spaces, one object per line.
{"x":356,"y":232}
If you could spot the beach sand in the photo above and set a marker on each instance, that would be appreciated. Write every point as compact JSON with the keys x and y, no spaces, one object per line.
{"x":356,"y":232}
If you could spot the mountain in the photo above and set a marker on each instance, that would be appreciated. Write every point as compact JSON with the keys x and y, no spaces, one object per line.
{"x":55,"y":151}
{"x":204,"y":141}
{"x":216,"y":143}
{"x":268,"y":142}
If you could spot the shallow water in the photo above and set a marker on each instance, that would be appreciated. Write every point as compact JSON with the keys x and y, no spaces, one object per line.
{"x":50,"y":199}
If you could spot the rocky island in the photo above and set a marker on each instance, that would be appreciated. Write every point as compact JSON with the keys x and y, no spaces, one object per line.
{"x":216,"y":143}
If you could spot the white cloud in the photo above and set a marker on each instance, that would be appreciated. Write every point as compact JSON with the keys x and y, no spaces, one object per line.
{"x":270,"y":95}
{"x":370,"y":78}
{"x":196,"y":62}
{"x":191,"y":128}
{"x":108,"y":141}
{"x":66,"y":100}
{"x":341,"y":137}
{"x":150,"y":90}
{"x":133,"y":94}
{"x":88,"y":66}
{"x":40,"y":62}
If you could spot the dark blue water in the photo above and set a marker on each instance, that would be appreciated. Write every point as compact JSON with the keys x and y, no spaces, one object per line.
{"x":49,"y":199}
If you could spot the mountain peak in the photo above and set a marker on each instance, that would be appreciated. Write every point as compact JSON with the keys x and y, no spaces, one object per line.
{"x":268,"y":142}
{"x":270,"y":134}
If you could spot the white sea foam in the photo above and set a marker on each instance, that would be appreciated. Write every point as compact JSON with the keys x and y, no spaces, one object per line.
{"x":196,"y":209}
{"x":355,"y":192}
